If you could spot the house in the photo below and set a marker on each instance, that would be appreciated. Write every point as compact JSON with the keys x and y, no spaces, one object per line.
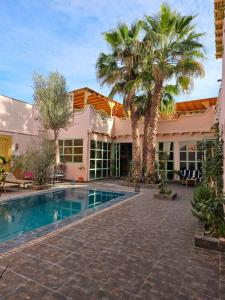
{"x":99,"y":143}
{"x":219,"y":12}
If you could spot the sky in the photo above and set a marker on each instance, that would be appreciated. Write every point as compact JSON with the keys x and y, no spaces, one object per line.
{"x":66,"y":35}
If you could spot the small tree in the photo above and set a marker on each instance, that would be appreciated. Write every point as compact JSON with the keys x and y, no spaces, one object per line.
{"x":53,"y":102}
{"x":163,"y":187}
{"x":39,"y":158}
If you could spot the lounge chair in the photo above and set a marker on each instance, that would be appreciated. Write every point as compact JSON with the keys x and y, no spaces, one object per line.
{"x":10,"y":178}
{"x":5,"y":185}
{"x":59,"y":174}
{"x":187,"y":176}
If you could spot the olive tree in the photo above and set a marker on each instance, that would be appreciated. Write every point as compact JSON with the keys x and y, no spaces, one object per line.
{"x":53,"y":102}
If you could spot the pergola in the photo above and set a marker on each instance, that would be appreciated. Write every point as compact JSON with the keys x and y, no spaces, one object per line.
{"x":219,"y":7}
{"x":86,"y":96}
{"x":195,"y":105}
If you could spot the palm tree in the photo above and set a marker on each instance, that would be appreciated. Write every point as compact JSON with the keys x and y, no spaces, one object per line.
{"x":173,"y":53}
{"x":167,"y":109}
{"x":119,"y":70}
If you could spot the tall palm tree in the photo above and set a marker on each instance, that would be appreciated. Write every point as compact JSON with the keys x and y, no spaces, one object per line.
{"x":167,"y":109}
{"x":173,"y":53}
{"x":119,"y":69}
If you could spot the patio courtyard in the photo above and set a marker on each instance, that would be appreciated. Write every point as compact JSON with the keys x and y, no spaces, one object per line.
{"x":140,"y":249}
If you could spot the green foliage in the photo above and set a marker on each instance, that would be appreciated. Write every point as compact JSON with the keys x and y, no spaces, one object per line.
{"x":119,"y":69}
{"x":19,"y":162}
{"x":208,"y":200}
{"x":3,"y":164}
{"x":164,"y":188}
{"x":148,"y":63}
{"x":53,"y":101}
{"x":202,"y":196}
{"x":213,"y":164}
{"x":167,"y":104}
{"x":40,"y":158}
{"x":209,"y":209}
{"x":172,"y":54}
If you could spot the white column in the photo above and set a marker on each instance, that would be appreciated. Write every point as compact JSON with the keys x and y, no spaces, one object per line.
{"x":176,"y":157}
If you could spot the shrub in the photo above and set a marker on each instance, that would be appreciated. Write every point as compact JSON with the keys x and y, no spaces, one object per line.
{"x":40,"y":158}
{"x":164,"y":189}
{"x":3,"y":164}
{"x":202,"y":196}
{"x":208,"y":207}
{"x":19,"y":165}
{"x":208,"y":199}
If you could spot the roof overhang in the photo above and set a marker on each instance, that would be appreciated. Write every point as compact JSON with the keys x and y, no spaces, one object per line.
{"x":219,"y":8}
{"x":86,"y":96}
{"x":195,"y":105}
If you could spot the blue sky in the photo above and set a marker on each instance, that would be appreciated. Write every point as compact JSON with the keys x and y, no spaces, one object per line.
{"x":66,"y":35}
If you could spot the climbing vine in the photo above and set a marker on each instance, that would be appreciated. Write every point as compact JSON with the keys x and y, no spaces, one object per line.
{"x":213,"y":163}
{"x":208,"y":199}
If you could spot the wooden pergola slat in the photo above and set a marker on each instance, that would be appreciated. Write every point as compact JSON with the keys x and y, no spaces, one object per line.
{"x":101,"y":102}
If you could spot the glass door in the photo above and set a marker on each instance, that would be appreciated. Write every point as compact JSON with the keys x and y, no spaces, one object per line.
{"x":115,"y":160}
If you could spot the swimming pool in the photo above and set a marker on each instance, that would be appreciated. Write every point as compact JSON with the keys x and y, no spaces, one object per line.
{"x":26,"y":214}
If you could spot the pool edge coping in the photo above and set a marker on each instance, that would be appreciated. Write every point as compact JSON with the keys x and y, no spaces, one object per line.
{"x":33,"y":192}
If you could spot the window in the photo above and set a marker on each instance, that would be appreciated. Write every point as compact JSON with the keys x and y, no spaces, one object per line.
{"x":116,"y":148}
{"x":100,"y":159}
{"x":165,"y":157}
{"x":191,"y":156}
{"x":71,"y":150}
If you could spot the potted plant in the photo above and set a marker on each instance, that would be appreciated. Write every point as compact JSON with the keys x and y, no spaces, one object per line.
{"x":18,"y":166}
{"x":164,"y":191}
{"x":80,"y":178}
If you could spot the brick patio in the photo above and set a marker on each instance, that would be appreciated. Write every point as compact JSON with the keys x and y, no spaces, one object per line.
{"x":141,"y":249}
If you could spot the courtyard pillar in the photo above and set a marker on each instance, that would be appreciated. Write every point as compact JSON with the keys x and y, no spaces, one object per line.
{"x":176,"y":158}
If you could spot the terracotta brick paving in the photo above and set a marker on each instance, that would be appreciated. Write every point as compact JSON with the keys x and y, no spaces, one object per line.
{"x":141,"y":249}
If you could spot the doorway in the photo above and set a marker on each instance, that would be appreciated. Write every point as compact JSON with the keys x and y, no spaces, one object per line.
{"x":125,"y":158}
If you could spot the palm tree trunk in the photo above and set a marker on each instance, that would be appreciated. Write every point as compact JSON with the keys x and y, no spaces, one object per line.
{"x":152,"y":132}
{"x":136,"y":147}
{"x":146,"y":131}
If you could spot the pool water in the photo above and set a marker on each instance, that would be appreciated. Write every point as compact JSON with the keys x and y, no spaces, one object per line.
{"x":25,"y":214}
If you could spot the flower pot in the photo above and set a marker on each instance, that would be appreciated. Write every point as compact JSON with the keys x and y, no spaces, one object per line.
{"x":80,"y":179}
{"x":19,"y":173}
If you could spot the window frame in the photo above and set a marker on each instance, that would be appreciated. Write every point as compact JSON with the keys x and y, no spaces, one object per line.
{"x":169,"y":161}
{"x":100,"y":159}
{"x":73,"y":155}
{"x":196,"y":161}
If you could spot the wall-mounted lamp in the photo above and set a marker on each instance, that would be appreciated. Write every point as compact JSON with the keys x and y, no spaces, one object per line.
{"x":112,"y":104}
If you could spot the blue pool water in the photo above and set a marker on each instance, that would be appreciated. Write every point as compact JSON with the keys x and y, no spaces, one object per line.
{"x":26,"y":214}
